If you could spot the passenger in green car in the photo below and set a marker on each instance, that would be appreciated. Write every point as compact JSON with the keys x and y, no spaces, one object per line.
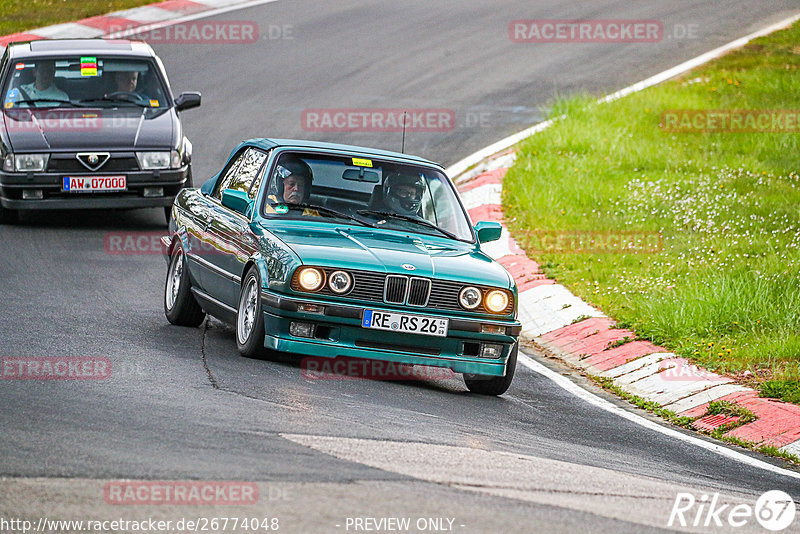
{"x":402,"y":193}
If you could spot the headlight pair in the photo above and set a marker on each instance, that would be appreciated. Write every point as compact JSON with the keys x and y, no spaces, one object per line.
{"x":495,"y":300}
{"x":312,"y":279}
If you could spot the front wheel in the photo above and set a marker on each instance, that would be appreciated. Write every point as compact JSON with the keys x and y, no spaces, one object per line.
{"x":180,"y":306}
{"x":249,"y":319}
{"x":495,"y":385}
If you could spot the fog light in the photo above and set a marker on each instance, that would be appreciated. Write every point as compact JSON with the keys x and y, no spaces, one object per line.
{"x":311,"y":308}
{"x":153,"y":191}
{"x":301,"y":329}
{"x":32,"y":194}
{"x":491,"y":351}
{"x":493,"y":329}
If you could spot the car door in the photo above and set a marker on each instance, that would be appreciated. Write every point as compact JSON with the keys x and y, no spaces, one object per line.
{"x":229,"y":231}
{"x":204,"y":208}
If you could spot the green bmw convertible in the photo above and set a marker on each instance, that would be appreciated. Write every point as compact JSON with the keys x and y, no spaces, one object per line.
{"x":329,"y":251}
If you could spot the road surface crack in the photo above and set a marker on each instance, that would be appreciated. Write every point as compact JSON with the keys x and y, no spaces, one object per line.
{"x":205,"y":361}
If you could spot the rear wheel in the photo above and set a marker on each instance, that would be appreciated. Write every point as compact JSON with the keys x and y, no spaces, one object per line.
{"x":180,"y":306}
{"x":494,"y":385}
{"x":249,"y":319}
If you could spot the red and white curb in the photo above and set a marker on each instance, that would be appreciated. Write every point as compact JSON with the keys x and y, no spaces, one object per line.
{"x":120,"y":24}
{"x":584,"y":337}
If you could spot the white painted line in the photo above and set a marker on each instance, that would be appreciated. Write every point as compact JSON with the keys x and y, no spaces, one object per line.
{"x":203,"y":14}
{"x":603,"y":404}
{"x":459,"y":167}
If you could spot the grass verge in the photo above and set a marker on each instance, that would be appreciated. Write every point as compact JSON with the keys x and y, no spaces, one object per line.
{"x":22,"y":15}
{"x":689,"y":238}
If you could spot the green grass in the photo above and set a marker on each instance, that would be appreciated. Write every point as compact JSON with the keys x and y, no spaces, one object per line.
{"x":722,"y":287}
{"x":22,"y":15}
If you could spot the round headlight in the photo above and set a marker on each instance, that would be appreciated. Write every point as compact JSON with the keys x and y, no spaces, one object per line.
{"x":310,"y":278}
{"x":470,"y":297}
{"x":496,"y":301}
{"x":340,"y":282}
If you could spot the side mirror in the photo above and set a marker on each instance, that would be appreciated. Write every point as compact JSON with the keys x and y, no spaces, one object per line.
{"x":187,"y":100}
{"x":237,"y":200}
{"x":488,"y":231}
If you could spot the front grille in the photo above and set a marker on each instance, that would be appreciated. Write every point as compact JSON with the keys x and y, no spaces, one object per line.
{"x":114,"y":164}
{"x":419,"y":291}
{"x":395,"y":291}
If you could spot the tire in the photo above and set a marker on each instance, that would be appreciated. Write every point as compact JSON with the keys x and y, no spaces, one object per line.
{"x":180,"y":306}
{"x":8,"y":216}
{"x":249,"y":319}
{"x":495,"y":385}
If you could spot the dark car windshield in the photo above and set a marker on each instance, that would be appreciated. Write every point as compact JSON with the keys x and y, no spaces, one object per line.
{"x":83,"y":81}
{"x":377,"y":193}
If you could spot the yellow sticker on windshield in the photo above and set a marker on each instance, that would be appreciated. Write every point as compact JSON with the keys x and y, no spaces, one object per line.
{"x":9,"y":105}
{"x":362,"y":162}
{"x":154,"y":103}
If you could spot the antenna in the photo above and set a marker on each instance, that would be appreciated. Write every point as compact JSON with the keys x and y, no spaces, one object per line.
{"x":403,"y":145}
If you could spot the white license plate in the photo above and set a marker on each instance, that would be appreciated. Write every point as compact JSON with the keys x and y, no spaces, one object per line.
{"x":401,"y":322}
{"x":90,"y":184}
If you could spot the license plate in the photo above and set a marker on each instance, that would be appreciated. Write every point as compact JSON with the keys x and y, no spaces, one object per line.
{"x":401,"y":322}
{"x":91,"y":184}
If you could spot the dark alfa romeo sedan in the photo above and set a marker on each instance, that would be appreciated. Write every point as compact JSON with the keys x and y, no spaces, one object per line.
{"x":89,"y":123}
{"x":333,"y":251}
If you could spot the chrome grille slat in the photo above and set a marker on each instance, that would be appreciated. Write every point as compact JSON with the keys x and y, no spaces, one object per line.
{"x":396,"y":289}
{"x":419,"y":291}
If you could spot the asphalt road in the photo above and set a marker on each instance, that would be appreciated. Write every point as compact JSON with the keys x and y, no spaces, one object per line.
{"x":182,"y":404}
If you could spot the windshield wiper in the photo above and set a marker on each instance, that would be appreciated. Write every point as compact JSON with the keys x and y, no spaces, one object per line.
{"x":30,"y":101}
{"x":328,"y":210}
{"x":115,"y":100}
{"x":411,"y":218}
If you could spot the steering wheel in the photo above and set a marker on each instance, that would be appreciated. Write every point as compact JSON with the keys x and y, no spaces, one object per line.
{"x":130,"y":96}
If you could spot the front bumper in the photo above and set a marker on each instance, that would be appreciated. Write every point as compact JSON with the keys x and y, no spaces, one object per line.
{"x":338,"y":332}
{"x":12,"y":186}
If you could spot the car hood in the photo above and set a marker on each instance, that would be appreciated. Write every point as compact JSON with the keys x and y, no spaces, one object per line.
{"x":386,"y":251}
{"x":65,"y":129}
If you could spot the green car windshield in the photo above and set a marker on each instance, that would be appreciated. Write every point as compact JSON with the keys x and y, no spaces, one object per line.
{"x":377,"y":193}
{"x":83,"y":81}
